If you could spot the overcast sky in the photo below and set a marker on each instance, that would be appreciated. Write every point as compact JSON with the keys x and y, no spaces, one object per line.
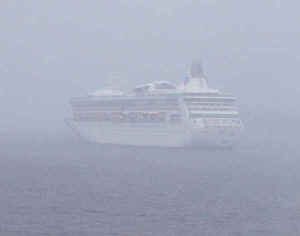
{"x":53,"y":50}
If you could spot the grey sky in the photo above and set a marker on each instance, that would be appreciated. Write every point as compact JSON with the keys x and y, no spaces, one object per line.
{"x":52,"y":50}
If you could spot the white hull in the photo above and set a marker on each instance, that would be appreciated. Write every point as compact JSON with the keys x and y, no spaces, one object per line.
{"x":160,"y":135}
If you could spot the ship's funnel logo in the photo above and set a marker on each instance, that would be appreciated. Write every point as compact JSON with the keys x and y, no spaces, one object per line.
{"x":186,"y":80}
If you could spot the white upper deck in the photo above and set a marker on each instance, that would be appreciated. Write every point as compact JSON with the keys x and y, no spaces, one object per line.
{"x":195,"y":84}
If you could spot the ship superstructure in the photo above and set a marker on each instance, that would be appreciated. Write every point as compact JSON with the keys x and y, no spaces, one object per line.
{"x":159,"y":114}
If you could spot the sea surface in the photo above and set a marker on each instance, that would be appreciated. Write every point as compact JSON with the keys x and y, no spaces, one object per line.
{"x":58,"y":185}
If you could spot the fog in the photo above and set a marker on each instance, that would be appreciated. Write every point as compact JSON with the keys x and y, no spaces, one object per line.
{"x":52,"y":183}
{"x":54,"y":50}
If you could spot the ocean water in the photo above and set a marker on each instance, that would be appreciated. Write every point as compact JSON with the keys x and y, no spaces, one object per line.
{"x":59,"y":185}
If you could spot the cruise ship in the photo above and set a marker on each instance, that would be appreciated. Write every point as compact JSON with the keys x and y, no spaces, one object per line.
{"x":159,"y":114}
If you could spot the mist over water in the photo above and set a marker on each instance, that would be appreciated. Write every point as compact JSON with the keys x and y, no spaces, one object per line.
{"x":52,"y":183}
{"x":63,"y":186}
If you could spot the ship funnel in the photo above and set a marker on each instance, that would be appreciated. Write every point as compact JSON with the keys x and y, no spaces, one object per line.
{"x":196,"y":81}
{"x":196,"y":70}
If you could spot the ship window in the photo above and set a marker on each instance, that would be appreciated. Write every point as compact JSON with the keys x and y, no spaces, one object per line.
{"x":213,"y":115}
{"x":212,"y":100}
{"x":175,"y":118}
